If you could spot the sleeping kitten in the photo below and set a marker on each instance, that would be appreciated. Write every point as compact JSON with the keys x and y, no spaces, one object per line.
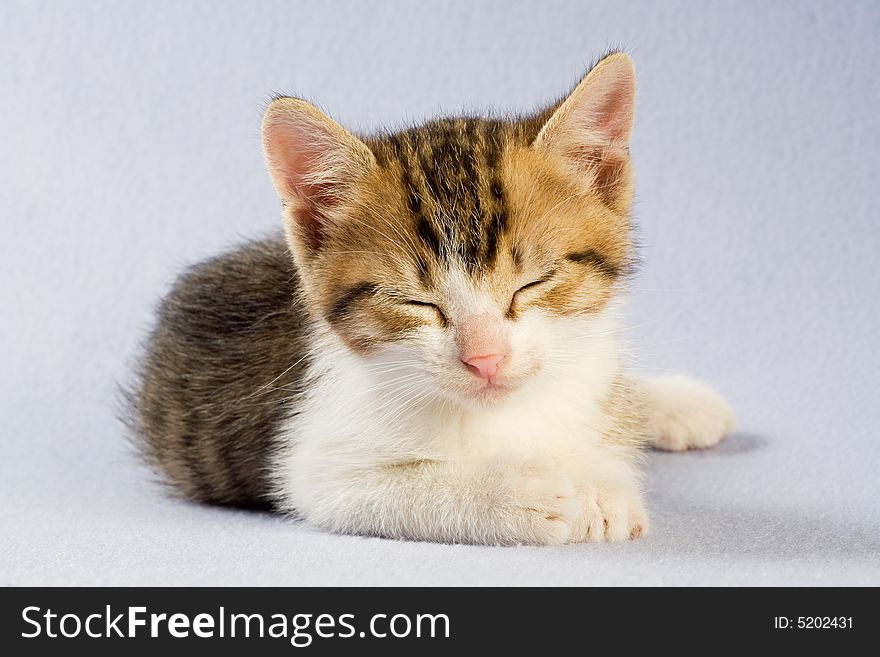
{"x":432,"y":352}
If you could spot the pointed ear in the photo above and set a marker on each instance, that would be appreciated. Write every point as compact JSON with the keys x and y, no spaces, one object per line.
{"x":591,"y":128}
{"x":314,"y":162}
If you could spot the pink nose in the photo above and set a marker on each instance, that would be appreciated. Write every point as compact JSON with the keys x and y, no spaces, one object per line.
{"x":484,"y":367}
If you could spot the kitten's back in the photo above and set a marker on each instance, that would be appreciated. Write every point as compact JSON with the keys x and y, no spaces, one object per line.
{"x":215,"y":380}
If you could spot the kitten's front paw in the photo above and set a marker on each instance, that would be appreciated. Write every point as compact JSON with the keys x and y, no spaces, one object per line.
{"x":687,"y":415}
{"x":610,"y":513}
{"x":535,"y":503}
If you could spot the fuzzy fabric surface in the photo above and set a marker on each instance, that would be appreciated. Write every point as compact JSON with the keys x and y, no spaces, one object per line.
{"x":130,"y":137}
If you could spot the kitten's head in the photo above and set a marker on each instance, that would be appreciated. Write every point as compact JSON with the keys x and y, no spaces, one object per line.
{"x":467,"y":255}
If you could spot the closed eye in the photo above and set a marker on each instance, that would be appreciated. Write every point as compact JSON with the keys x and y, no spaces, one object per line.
{"x":527,"y":287}
{"x":427,"y":304}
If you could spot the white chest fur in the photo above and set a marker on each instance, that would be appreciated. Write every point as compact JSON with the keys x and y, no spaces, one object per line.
{"x":347,"y":421}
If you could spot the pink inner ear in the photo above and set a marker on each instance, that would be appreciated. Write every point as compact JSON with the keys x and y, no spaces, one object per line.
{"x":299,"y":153}
{"x":598,"y":113}
{"x":612,"y":112}
{"x":595,"y":127}
{"x":603,"y":107}
{"x":294,"y":151}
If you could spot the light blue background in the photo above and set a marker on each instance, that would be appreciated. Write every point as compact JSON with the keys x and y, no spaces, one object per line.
{"x":129,"y":135}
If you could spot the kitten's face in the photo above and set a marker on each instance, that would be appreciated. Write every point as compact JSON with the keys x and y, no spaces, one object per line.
{"x":464,"y":257}
{"x":479,"y":286}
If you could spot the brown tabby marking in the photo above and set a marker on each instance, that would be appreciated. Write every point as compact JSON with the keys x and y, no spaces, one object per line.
{"x":222,"y":370}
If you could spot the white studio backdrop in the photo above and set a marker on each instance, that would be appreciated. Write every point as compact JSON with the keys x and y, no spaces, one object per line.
{"x":130,"y":148}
